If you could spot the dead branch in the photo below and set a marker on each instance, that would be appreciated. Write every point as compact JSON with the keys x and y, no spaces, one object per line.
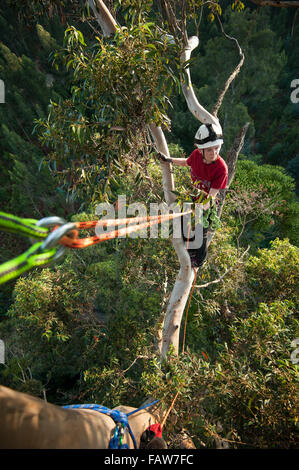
{"x":171,"y":19}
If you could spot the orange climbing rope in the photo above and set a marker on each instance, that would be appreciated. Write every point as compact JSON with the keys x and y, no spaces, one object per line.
{"x":130,"y":226}
{"x":169,"y":410}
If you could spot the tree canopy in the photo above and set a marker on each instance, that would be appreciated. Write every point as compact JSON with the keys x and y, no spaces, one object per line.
{"x":74,"y":133}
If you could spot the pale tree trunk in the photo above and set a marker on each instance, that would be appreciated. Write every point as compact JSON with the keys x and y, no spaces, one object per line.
{"x":103,"y":17}
{"x":180,"y":293}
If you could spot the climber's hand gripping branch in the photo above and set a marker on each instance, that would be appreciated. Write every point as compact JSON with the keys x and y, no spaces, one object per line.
{"x":163,"y":158}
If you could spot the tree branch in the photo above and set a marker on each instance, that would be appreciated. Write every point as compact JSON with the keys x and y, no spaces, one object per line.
{"x":233,"y":153}
{"x":172,"y":20}
{"x":231,"y":161}
{"x":198,"y":111}
{"x":180,"y":292}
{"x":135,"y":360}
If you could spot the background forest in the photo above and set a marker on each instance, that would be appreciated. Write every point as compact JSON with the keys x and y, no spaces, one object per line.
{"x":84,"y":330}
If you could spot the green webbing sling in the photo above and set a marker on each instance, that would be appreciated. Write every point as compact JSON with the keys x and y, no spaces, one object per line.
{"x":36,"y":255}
{"x":27,"y":227}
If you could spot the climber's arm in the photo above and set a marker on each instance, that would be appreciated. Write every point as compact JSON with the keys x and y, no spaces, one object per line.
{"x":174,"y":161}
{"x":179,"y":161}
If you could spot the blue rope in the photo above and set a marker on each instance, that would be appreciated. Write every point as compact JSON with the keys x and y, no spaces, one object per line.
{"x":120,"y":419}
{"x":143,"y":407}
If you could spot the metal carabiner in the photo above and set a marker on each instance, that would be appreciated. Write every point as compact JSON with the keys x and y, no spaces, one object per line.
{"x":54,"y":237}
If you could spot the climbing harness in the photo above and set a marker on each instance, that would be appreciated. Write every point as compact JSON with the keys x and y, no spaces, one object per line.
{"x":121,"y":420}
{"x":57,"y":234}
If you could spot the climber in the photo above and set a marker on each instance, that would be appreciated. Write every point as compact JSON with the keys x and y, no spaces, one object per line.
{"x":208,"y":173}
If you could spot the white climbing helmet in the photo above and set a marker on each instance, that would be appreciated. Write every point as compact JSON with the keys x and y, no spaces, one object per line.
{"x":208,"y":135}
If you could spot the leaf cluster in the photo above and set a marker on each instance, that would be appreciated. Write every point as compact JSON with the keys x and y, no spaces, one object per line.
{"x":120,"y":85}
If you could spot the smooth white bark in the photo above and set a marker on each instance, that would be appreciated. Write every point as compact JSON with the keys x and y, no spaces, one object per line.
{"x":194,"y":106}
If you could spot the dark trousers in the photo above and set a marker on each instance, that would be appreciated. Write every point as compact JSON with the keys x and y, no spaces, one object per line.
{"x":198,"y":255}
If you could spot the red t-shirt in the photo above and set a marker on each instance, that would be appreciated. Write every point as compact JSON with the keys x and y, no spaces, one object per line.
{"x":207,"y":176}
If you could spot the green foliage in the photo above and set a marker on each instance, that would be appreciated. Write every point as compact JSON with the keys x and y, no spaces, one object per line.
{"x":259,"y":377}
{"x":124,"y":82}
{"x":20,"y":151}
{"x":48,"y":43}
{"x":27,"y":188}
{"x":273,"y":274}
{"x":85,"y":330}
{"x":270,"y":276}
{"x":29,"y":12}
{"x":247,"y":396}
{"x":236,"y":382}
{"x":263,"y":198}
